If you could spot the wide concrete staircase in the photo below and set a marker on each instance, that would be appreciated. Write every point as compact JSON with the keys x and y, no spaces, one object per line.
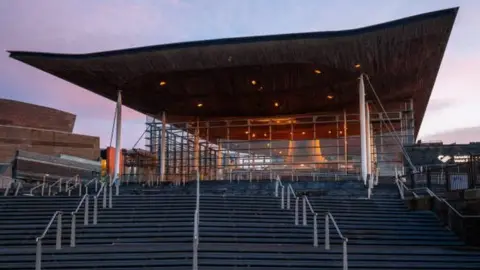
{"x":242,"y":226}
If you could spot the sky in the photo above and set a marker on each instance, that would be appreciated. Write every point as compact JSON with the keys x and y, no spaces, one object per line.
{"x":82,"y":26}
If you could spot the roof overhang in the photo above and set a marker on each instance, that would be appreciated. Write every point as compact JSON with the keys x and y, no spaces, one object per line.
{"x":401,"y":58}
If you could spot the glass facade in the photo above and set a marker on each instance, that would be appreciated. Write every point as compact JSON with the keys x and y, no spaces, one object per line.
{"x":301,"y":146}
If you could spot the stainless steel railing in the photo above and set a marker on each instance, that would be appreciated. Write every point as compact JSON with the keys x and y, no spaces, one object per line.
{"x":402,"y":188}
{"x":306,"y":203}
{"x":89,"y":182}
{"x":196,"y":226}
{"x":290,"y":192}
{"x":279,"y":184}
{"x":38,"y":256}
{"x":328,"y":218}
{"x":95,"y":202}
{"x":78,"y":183}
{"x":9,"y":186}
{"x":56,"y":183}
{"x":84,"y":201}
{"x":42,"y":185}
{"x":73,"y":180}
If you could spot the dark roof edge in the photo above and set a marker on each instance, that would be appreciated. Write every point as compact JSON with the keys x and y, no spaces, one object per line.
{"x":251,"y":39}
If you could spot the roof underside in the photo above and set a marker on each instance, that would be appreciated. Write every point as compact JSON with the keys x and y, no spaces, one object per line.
{"x":402,"y":59}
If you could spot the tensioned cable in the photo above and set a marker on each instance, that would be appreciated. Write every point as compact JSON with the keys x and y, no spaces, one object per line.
{"x":141,"y":136}
{"x":391,"y":128}
{"x":391,"y":125}
{"x":113,"y":125}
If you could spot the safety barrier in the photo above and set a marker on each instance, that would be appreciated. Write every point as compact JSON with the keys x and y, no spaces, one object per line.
{"x":74,"y":218}
{"x":38,"y":255}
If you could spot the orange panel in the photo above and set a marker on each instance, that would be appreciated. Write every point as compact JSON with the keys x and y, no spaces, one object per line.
{"x":111,"y":161}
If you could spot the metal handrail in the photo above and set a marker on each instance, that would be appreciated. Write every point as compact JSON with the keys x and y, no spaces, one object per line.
{"x":89,"y":182}
{"x":402,"y":188}
{"x":7,"y":190}
{"x":432,"y":194}
{"x":196,"y":226}
{"x":72,"y":179}
{"x":95,"y":202}
{"x":59,"y":183}
{"x":290,"y":191}
{"x":78,"y":184}
{"x":278,"y":183}
{"x":58,"y":244}
{"x":42,"y":185}
{"x":74,"y":218}
{"x":306,"y":202}
{"x":328,"y":217}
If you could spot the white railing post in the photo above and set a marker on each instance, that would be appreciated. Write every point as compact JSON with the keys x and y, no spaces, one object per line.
{"x":58,"y":244}
{"x":110,"y":195}
{"x":72,"y":230}
{"x":304,"y":204}
{"x":296,"y":210}
{"x":85,"y":211}
{"x":104,"y":203}
{"x":345,"y":255}
{"x":283,"y":198}
{"x":276,"y":188}
{"x":327,"y":232}
{"x":95,"y":209}
{"x":315,"y":232}
{"x":38,"y":256}
{"x":288,"y":197}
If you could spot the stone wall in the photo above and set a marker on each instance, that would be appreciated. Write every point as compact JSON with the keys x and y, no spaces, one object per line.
{"x":16,"y":113}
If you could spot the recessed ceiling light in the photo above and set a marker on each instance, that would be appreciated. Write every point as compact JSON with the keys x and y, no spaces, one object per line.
{"x":254,"y":82}
{"x":317,"y":71}
{"x":199,"y":105}
{"x":163,"y":83}
{"x":276,"y":104}
{"x":330,"y":97}
{"x":357,"y":66}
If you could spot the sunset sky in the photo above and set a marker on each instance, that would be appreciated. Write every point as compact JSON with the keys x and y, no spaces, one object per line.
{"x":80,"y":26}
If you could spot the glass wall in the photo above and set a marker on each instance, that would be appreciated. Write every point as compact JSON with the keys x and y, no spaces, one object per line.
{"x":302,"y":146}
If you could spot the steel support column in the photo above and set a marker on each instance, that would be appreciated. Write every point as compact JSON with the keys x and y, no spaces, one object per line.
{"x":345,"y":140}
{"x":163,"y":147}
{"x":363,"y":131}
{"x":369,"y":139}
{"x":196,"y":148}
{"x":270,"y":148}
{"x":118,"y":145}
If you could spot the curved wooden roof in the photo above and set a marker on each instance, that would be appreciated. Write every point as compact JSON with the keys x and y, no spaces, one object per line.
{"x":303,"y":73}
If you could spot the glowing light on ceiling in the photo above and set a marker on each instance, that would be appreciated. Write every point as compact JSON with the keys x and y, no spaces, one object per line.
{"x":199,"y":105}
{"x":330,"y":97}
{"x":253,"y":82}
{"x":317,"y":71}
{"x":163,"y":83}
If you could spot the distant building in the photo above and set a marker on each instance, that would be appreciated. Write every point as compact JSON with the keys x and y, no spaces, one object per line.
{"x":40,"y":132}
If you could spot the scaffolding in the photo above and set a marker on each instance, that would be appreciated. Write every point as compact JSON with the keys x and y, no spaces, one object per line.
{"x":314,"y":145}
